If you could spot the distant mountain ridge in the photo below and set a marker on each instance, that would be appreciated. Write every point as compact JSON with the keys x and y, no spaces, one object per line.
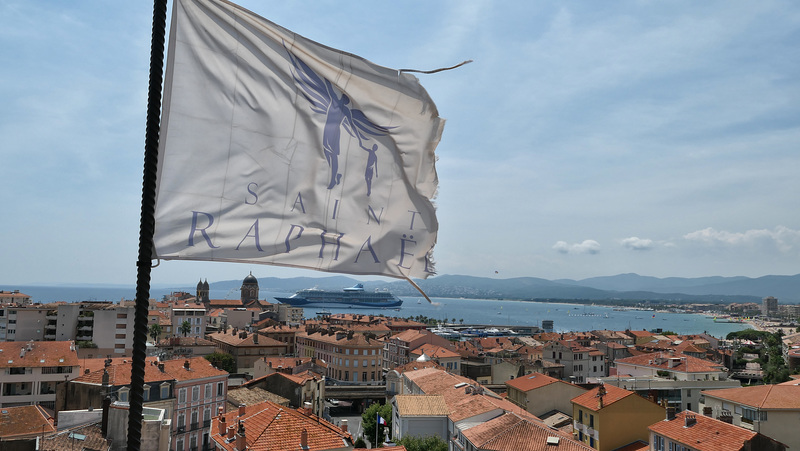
{"x":622,"y":286}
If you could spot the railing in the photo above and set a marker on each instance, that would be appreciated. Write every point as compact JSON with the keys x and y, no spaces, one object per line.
{"x":181,"y":429}
{"x":194,"y":426}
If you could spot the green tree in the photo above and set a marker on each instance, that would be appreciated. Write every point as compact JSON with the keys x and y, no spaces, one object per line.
{"x":429,"y":443}
{"x":155,"y":331}
{"x":223,"y":361}
{"x":369,"y":421}
{"x":186,"y":327}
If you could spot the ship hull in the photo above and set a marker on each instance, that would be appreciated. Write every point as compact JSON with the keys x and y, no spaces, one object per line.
{"x":351,"y":297}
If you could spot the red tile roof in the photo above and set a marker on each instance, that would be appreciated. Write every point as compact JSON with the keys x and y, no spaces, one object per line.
{"x":661,"y":360}
{"x":761,"y":396}
{"x":24,"y":421}
{"x":591,"y":401}
{"x":120,"y":373}
{"x":37,"y":354}
{"x":706,"y":434}
{"x":268,"y":426}
{"x":531,"y":382}
{"x":510,"y":432}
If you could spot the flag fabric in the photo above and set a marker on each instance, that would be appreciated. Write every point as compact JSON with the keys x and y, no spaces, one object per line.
{"x":381,"y":421}
{"x":275,"y":149}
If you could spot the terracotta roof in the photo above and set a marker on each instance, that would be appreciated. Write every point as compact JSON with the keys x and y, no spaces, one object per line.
{"x":638,"y":445}
{"x":761,"y":396}
{"x":239,"y":339}
{"x":120,"y":373}
{"x":23,"y":421}
{"x":269,"y":426}
{"x":510,"y":432}
{"x":435,"y":351}
{"x":421,"y":405}
{"x":531,"y":381}
{"x":92,"y":439}
{"x":252,"y":395}
{"x":590,"y":399}
{"x":408,"y":335}
{"x":661,"y":360}
{"x":37,"y":354}
{"x":355,"y":340}
{"x":225,"y":302}
{"x":462,"y":405}
{"x":706,"y":434}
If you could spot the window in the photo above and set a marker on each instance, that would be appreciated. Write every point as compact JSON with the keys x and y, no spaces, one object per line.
{"x":750,"y":415}
{"x":220,"y":389}
{"x":179,"y":445}
{"x":591,"y":420}
{"x":580,"y":416}
{"x":181,"y":420}
{"x":364,"y":376}
{"x":146,"y":393}
{"x":208,"y":391}
{"x":355,"y":351}
{"x":658,"y":443}
{"x":164,"y":390}
{"x":123,"y":394}
{"x":182,"y":395}
{"x":195,"y":393}
{"x":364,"y":363}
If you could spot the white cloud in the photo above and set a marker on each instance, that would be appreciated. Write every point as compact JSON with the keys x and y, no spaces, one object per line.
{"x":637,"y":244}
{"x":585,"y":247}
{"x":783,"y":238}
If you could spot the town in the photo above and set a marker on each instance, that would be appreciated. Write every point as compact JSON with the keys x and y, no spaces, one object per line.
{"x":237,"y":374}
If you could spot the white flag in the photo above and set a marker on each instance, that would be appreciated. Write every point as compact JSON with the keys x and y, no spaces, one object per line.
{"x":275,"y":149}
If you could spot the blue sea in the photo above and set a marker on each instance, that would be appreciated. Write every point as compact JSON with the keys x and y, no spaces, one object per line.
{"x":565,"y":317}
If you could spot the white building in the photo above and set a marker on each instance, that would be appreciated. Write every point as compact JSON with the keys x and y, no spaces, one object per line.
{"x":30,"y":371}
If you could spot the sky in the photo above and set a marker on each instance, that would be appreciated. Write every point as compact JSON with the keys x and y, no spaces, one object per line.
{"x":586,"y":139}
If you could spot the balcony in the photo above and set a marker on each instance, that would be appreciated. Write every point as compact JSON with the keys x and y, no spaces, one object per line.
{"x":181,"y":429}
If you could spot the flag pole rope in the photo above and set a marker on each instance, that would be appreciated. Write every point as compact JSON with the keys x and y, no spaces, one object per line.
{"x":420,"y":290}
{"x":436,"y":70}
{"x":147,"y":224}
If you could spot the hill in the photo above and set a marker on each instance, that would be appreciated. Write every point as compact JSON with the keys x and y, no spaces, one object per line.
{"x":622,"y":286}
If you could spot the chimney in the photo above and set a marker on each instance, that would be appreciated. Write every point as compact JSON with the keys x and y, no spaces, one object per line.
{"x":344,"y":426}
{"x":255,"y":338}
{"x":689,"y":420}
{"x":304,"y":439}
{"x":160,"y":367}
{"x":726,"y":416}
{"x":231,"y":432}
{"x":242,"y":409}
{"x":186,"y":364}
{"x":222,"y":426}
{"x":670,"y":413}
{"x":241,"y":440}
{"x":104,"y":420}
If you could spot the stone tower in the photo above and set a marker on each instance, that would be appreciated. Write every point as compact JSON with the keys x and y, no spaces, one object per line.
{"x":249,"y":290}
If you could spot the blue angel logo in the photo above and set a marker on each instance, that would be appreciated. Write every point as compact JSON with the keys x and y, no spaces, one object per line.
{"x":324,"y":99}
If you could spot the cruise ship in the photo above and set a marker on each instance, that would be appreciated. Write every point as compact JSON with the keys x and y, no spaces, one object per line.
{"x":349,"y":297}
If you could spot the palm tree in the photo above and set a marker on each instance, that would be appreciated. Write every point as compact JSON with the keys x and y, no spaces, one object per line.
{"x":186,"y":327}
{"x":155,"y":332}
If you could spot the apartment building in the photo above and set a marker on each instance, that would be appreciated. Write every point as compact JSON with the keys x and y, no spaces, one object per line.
{"x":772,"y":410}
{"x":539,"y":394}
{"x":30,"y":371}
{"x":246,"y":348}
{"x":580,"y":362}
{"x":691,"y":432}
{"x":194,"y":315}
{"x":398,"y":347}
{"x":350,"y":357}
{"x":200,"y":392}
{"x":607,"y":417}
